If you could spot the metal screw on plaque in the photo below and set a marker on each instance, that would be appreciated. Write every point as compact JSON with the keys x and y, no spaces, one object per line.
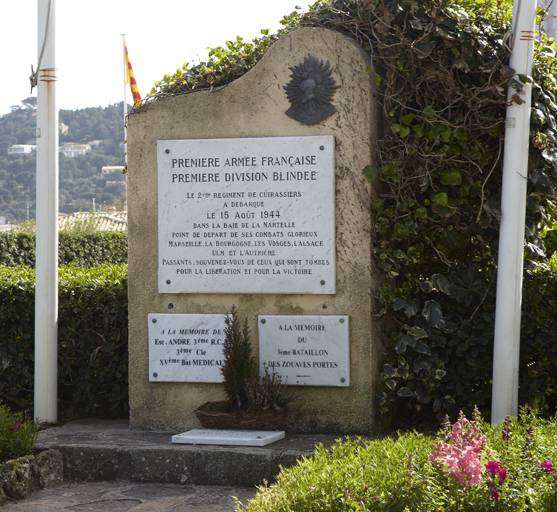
{"x":263,"y":321}
{"x":321,"y":148}
{"x":171,"y":306}
{"x":322,"y":282}
{"x":155,"y":375}
{"x":342,"y":379}
{"x":168,"y":281}
{"x":324,"y":306}
{"x":341,"y":320}
{"x":167,"y":151}
{"x":154,"y":320}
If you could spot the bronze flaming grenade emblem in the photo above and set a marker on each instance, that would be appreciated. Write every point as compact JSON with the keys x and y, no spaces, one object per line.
{"x":310,"y":91}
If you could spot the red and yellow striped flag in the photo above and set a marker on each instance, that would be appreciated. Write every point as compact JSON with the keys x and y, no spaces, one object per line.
{"x":130,"y":79}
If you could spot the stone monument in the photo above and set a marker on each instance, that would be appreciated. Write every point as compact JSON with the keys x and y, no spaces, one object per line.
{"x":252,"y":195}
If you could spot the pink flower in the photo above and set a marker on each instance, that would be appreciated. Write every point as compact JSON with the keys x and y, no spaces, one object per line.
{"x":548,"y":466}
{"x":460,"y":456}
{"x":492,"y":467}
{"x":502,"y":475}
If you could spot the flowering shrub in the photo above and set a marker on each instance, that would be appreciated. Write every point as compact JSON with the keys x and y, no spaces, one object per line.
{"x":17,"y":434}
{"x":459,"y":455}
{"x":469,"y":466}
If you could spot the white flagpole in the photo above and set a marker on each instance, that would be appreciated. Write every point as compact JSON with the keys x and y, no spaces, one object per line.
{"x":125,"y":96}
{"x":46,"y":278}
{"x":506,"y":350}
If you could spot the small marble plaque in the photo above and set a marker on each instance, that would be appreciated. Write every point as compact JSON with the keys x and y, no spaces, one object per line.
{"x":228,"y":437}
{"x":310,"y":350}
{"x":254,"y":215}
{"x":185,"y":348}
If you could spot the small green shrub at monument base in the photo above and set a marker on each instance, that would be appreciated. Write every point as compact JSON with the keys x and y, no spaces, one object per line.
{"x":18,"y":434}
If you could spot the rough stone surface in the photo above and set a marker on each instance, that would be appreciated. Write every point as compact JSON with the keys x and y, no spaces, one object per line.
{"x":50,"y":468}
{"x":131,"y":497}
{"x":255,"y":106}
{"x":21,"y":476}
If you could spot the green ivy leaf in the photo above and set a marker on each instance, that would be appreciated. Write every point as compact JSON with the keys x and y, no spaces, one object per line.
{"x":405,"y":392}
{"x":389,"y":172}
{"x":391,"y":384}
{"x":441,"y":199}
{"x":410,"y":308}
{"x":525,"y":79}
{"x":389,"y":371}
{"x":407,"y":119}
{"x":418,"y":130}
{"x":401,"y":230}
{"x":404,"y":131}
{"x":451,"y":177}
{"x":420,"y":213}
{"x":441,"y":283}
{"x":433,"y":314}
{"x":370,"y":173}
{"x":422,"y":348}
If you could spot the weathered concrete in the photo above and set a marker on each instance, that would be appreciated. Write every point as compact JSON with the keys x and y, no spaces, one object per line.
{"x":109,"y":450}
{"x":254,"y":106}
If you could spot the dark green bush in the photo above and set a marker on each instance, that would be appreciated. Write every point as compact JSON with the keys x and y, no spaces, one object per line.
{"x":74,"y":248}
{"x":92,"y":338}
{"x":538,"y":350}
{"x":458,"y":320}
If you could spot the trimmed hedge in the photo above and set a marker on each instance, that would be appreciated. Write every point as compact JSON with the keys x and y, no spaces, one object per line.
{"x":77,"y":248}
{"x":92,"y":338}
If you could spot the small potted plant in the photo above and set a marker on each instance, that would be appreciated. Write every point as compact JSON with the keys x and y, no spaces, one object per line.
{"x":253,"y":403}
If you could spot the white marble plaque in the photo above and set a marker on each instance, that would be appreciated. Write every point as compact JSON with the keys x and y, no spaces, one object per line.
{"x":185,"y":348}
{"x":228,"y":437}
{"x":305,"y":350}
{"x":250,"y":215}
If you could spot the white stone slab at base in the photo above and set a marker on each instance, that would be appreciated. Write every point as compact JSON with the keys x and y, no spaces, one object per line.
{"x":228,"y":437}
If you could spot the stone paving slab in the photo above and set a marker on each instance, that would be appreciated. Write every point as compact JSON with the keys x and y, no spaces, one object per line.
{"x":96,"y":450}
{"x":132,"y":497}
{"x":110,"y":468}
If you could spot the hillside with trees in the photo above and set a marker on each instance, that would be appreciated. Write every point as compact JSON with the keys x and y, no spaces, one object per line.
{"x":80,"y":176}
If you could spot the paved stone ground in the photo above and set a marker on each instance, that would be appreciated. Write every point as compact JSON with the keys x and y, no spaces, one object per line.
{"x":110,"y":468}
{"x":132,"y":497}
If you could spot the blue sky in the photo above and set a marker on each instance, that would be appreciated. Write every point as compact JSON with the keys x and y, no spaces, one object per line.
{"x":160,"y":37}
